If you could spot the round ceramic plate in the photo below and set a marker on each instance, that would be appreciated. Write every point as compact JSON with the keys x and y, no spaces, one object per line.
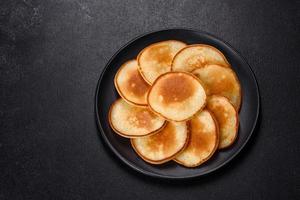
{"x":106,"y":94}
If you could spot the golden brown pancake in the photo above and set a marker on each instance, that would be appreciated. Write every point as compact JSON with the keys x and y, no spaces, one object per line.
{"x":131,"y":85}
{"x":203,"y":141}
{"x":163,"y":145}
{"x":156,"y":59}
{"x":197,"y":56}
{"x":220,"y":81}
{"x":176,"y":96}
{"x":132,"y":121}
{"x":227,"y":119}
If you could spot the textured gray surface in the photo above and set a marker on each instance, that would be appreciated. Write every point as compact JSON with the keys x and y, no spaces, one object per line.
{"x":51,"y":56}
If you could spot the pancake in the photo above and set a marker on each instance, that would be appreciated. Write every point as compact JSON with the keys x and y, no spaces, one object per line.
{"x":133,"y":121}
{"x":156,"y":59}
{"x":131,"y":85}
{"x":220,"y":81}
{"x":227,"y":119}
{"x":203,"y":141}
{"x":197,"y":56}
{"x":164,"y":145}
{"x":176,"y":96}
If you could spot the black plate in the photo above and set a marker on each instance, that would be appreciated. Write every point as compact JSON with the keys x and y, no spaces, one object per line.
{"x":106,"y":94}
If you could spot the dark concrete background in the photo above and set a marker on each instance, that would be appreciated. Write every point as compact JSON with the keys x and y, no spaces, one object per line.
{"x":51,"y":56}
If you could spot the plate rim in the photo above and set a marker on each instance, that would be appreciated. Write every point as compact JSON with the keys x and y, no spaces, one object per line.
{"x":148,"y":173}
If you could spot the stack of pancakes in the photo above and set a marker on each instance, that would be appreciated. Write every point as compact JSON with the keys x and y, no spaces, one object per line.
{"x":178,"y":102}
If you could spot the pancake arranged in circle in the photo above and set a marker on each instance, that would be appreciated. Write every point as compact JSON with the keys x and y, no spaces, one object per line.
{"x":163,"y":145}
{"x":156,"y":59}
{"x":220,"y":81}
{"x":227,"y":119}
{"x":130,"y":84}
{"x":203,"y":141}
{"x":176,"y":96}
{"x":132,"y":121}
{"x":197,"y":56}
